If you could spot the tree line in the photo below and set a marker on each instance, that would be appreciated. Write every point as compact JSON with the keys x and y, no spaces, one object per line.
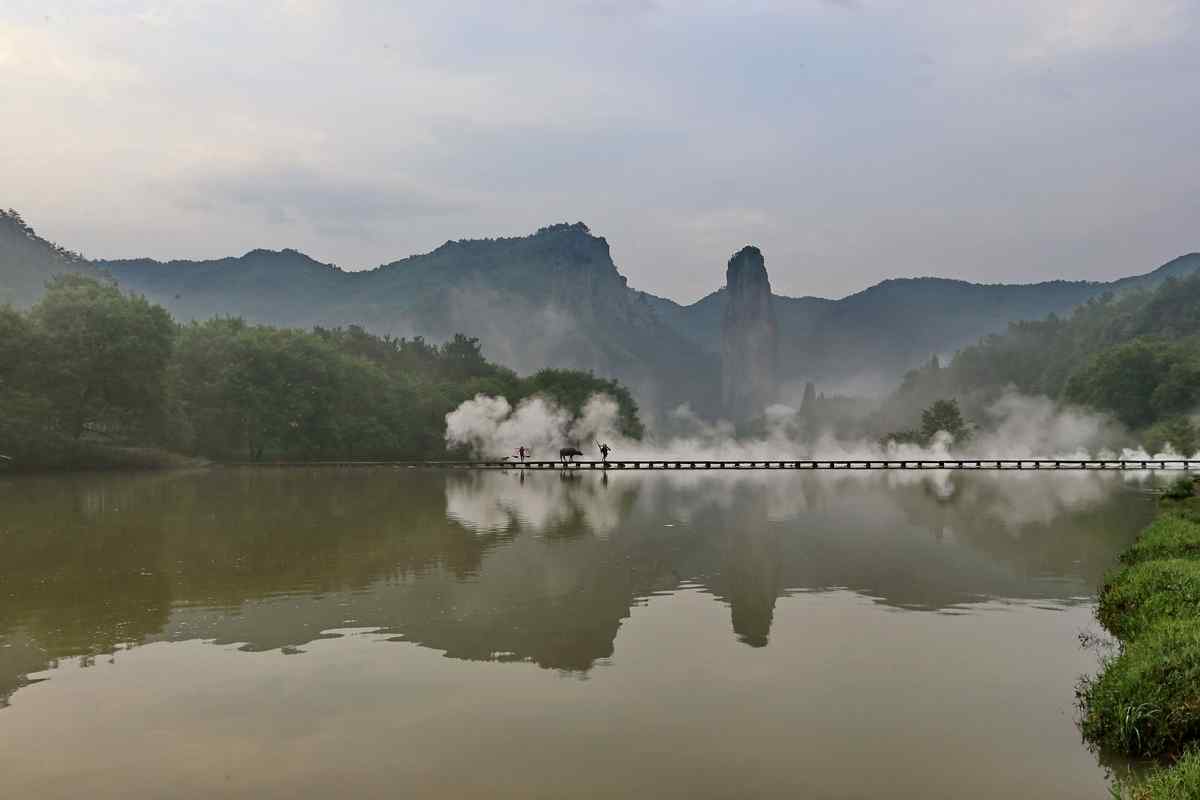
{"x":1134,"y":355}
{"x":90,"y":370}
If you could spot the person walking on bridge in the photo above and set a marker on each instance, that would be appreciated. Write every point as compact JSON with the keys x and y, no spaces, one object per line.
{"x":522,"y":452}
{"x":604,"y":451}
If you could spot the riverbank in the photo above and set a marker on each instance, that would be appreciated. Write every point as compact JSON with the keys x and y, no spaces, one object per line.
{"x":1145,"y":702}
{"x":93,"y":457}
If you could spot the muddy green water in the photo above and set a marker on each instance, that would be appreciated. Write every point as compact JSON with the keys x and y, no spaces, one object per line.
{"x":398,"y":633}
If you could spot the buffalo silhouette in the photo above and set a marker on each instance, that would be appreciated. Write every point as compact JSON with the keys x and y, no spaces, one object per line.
{"x":569,"y":453}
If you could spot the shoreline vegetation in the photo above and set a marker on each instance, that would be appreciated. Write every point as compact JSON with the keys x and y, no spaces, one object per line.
{"x":94,"y":378}
{"x":1145,"y":701}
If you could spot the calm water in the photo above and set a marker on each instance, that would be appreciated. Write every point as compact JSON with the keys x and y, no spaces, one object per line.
{"x":398,"y":633}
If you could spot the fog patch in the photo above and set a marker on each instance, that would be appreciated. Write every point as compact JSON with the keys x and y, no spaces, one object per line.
{"x":492,"y":428}
{"x":1016,"y":427}
{"x":548,"y":503}
{"x":499,"y":501}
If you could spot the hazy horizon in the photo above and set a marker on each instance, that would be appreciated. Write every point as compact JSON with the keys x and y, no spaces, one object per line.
{"x":851,"y":140}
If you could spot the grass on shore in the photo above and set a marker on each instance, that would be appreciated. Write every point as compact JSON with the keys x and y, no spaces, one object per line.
{"x":1175,"y":534}
{"x":62,"y":456}
{"x":1146,"y":701}
{"x":1136,"y":597}
{"x":1178,"y":782}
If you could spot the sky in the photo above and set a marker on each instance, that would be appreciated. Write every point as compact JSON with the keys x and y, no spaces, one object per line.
{"x":851,"y":140}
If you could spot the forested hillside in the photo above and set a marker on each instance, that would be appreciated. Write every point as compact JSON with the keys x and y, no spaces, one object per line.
{"x":1135,"y":355}
{"x":554,"y":299}
{"x":557,"y":299}
{"x":27,"y":261}
{"x":90,"y":372}
{"x":865,"y":342}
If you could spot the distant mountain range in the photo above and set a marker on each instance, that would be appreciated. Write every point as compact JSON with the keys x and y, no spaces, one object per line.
{"x":556,"y":298}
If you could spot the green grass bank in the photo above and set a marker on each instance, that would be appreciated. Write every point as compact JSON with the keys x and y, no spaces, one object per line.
{"x":1181,"y":781}
{"x":1145,"y":701}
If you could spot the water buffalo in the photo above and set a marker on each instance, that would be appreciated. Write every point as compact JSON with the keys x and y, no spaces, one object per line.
{"x":569,"y":453}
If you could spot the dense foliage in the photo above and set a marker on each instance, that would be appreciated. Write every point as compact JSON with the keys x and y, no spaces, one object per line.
{"x":90,"y":366}
{"x":1133,"y":355}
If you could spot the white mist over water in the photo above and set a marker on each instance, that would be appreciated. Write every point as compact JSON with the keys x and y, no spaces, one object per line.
{"x":1019,"y":427}
{"x":492,"y":428}
{"x":489,"y":501}
{"x":497,"y":501}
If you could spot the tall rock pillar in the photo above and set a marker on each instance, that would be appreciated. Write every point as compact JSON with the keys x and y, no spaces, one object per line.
{"x":749,"y":337}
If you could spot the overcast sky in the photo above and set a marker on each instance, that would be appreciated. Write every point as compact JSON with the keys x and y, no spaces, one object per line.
{"x":853,"y":140}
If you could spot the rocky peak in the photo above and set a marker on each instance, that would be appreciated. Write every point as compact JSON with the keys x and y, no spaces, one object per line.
{"x":747,"y":272}
{"x":749,"y":337}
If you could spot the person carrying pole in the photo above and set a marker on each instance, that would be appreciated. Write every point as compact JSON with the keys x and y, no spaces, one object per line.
{"x":604,"y":451}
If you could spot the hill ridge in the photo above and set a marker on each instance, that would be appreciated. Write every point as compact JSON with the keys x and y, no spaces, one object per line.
{"x":557,"y":298}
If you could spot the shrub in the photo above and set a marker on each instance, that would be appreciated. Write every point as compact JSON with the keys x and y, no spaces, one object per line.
{"x":1146,"y":701}
{"x":1178,"y":432}
{"x":1179,"y":782}
{"x":1181,"y":488}
{"x":1136,"y":597}
{"x":1171,"y":535}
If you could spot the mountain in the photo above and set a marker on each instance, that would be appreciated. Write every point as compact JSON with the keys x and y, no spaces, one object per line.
{"x":551,"y":299}
{"x":866,"y":341}
{"x":555,"y":298}
{"x":749,"y":337}
{"x":27,"y":261}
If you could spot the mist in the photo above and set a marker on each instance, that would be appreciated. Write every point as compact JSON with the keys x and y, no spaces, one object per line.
{"x":1016,"y":427}
{"x":498,"y":501}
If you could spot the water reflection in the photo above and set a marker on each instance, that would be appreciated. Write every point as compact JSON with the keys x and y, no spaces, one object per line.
{"x":505,"y":566}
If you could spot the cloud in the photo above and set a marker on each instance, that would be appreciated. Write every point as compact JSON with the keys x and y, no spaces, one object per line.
{"x":613,"y":9}
{"x":1072,"y":27}
{"x":996,"y":140}
{"x":334,"y":205}
{"x":36,"y":58}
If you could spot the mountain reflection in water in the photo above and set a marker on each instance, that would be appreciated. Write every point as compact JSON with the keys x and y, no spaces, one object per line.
{"x":509,"y":566}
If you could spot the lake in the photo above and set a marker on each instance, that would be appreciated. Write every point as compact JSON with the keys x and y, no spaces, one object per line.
{"x":381,"y":632}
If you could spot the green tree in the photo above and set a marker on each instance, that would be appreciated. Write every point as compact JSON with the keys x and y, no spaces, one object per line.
{"x":571,"y":389}
{"x":101,"y":355}
{"x":1140,"y":381}
{"x":463,"y":357}
{"x":1178,"y":432}
{"x":15,"y":341}
{"x":1120,"y":379}
{"x":89,"y":359}
{"x":944,"y":415}
{"x":24,"y":416}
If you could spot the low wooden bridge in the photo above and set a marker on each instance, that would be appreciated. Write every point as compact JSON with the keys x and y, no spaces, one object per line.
{"x":1176,"y":464}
